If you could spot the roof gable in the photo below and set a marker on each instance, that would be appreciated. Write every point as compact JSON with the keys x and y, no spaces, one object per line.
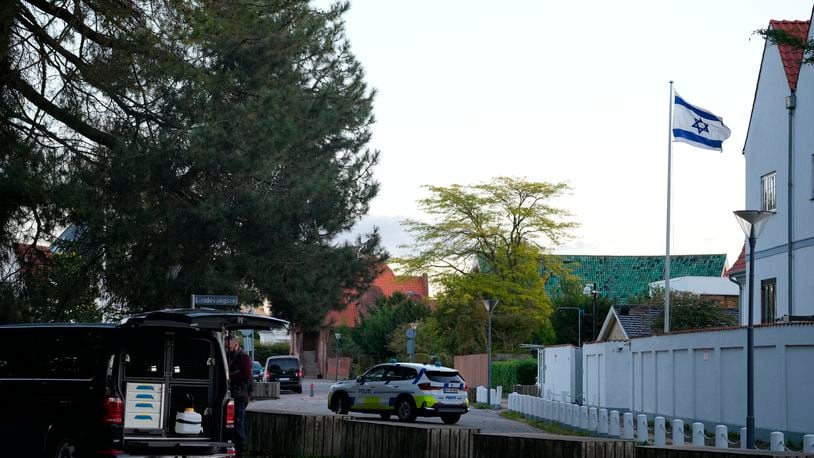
{"x":791,"y":57}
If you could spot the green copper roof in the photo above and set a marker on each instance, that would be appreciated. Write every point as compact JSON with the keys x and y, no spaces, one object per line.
{"x":620,"y":277}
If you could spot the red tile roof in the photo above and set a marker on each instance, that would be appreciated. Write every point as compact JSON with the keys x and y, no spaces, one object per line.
{"x":740,"y":264}
{"x":385,"y":285}
{"x":791,"y":57}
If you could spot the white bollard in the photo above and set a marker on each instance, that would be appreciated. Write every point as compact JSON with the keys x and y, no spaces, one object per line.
{"x":641,"y":424}
{"x":721,"y":437}
{"x":538,"y":408}
{"x":593,"y":420}
{"x":561,"y":412}
{"x":480,"y":395}
{"x":627,"y":426}
{"x":583,"y":417}
{"x":743,"y":438}
{"x":808,"y":443}
{"x":698,"y":434}
{"x":613,"y":428}
{"x":659,"y":433}
{"x":777,"y":443}
{"x":678,"y":433}
{"x":548,"y":410}
{"x":497,"y":396}
{"x":574,"y":416}
{"x":603,"y":422}
{"x":564,"y":397}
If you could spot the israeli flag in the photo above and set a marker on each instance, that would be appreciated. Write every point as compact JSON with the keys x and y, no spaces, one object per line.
{"x":697,"y":126}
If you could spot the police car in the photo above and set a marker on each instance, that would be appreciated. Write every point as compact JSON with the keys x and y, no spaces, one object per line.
{"x":406,"y":390}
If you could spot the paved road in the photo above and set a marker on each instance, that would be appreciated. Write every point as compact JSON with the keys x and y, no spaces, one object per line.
{"x":485,"y":420}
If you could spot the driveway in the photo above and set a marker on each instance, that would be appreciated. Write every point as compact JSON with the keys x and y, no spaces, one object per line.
{"x":488,"y":421}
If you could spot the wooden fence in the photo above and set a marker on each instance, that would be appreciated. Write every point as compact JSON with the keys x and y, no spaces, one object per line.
{"x":549,"y":445}
{"x":295,"y":434}
{"x":265,"y":390}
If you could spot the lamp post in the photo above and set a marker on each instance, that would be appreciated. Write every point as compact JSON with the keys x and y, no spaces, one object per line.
{"x":338,"y":336}
{"x":752,"y":222}
{"x":490,"y":305}
{"x":590,"y":290}
{"x":579,"y":322}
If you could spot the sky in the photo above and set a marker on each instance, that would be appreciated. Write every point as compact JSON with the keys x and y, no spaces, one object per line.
{"x":572,"y":91}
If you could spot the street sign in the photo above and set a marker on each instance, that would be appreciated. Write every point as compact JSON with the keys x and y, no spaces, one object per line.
{"x":410,"y":333}
{"x":410,"y":347}
{"x":209,"y":300}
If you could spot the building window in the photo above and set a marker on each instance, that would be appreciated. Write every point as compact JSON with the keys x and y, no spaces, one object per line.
{"x":768,"y":300}
{"x":767,"y":187}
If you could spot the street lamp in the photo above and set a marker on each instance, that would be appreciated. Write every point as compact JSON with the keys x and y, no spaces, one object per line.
{"x":752,"y":222}
{"x":590,"y":290}
{"x":338,"y":336}
{"x":490,"y":305}
{"x":579,"y":322}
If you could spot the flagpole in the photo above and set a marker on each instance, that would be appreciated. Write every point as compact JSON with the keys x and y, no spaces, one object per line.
{"x":667,"y":255}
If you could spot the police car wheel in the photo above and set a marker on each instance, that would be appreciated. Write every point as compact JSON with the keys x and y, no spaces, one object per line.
{"x":385,"y":416}
{"x":342,"y":404}
{"x":450,"y":418}
{"x":405,"y":409}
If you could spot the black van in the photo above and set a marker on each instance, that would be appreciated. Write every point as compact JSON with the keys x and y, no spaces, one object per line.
{"x":87,"y":390}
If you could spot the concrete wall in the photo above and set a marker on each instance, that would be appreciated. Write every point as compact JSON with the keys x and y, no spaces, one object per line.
{"x":702,"y":377}
{"x":563,"y":372}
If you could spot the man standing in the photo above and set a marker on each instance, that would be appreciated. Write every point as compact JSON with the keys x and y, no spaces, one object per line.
{"x":240,"y":378}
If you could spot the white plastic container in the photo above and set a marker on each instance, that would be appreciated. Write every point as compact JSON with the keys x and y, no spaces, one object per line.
{"x":188,"y":422}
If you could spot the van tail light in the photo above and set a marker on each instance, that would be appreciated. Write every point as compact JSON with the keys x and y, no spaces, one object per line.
{"x":427,"y":387}
{"x":113,"y":410}
{"x":299,"y":373}
{"x":230,"y":414}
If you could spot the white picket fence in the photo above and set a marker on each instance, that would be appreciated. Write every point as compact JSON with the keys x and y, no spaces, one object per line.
{"x":496,"y":395}
{"x":609,"y":423}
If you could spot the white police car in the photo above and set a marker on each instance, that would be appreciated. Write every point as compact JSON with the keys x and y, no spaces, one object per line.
{"x":405,"y":389}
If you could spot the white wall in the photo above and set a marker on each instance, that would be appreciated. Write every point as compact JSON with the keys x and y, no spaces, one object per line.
{"x":563,"y":372}
{"x":766,"y":150}
{"x":702,"y":377}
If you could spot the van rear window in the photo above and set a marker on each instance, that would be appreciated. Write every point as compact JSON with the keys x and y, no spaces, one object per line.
{"x":444,"y":377}
{"x":281,"y":365}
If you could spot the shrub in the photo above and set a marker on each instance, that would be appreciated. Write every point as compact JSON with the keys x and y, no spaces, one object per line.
{"x":514,"y":372}
{"x":261,"y":352}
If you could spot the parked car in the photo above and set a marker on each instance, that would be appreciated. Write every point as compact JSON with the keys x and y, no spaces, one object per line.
{"x":257,"y":371}
{"x":285,"y":369}
{"x":405,"y":389}
{"x":116,"y":389}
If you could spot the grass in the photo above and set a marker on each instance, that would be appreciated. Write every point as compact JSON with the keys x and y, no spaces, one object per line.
{"x":553,"y":428}
{"x":480,"y":405}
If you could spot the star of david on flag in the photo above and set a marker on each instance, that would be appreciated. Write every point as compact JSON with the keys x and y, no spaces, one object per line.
{"x":697,"y":126}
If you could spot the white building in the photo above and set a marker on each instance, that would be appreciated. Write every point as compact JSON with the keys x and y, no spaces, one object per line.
{"x":779,"y":153}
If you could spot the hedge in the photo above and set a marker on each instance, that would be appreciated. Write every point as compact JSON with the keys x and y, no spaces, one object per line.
{"x":514,"y":372}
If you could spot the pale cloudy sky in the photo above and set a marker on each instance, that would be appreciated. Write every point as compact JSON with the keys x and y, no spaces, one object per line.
{"x":573,"y":91}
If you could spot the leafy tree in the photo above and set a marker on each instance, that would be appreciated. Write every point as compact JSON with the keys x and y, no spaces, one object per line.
{"x":376,"y":327}
{"x":201,"y":147}
{"x":687,"y":311}
{"x":503,"y":227}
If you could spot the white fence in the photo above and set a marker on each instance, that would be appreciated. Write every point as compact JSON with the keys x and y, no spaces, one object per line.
{"x":602,"y":422}
{"x":701,"y":377}
{"x":496,"y":395}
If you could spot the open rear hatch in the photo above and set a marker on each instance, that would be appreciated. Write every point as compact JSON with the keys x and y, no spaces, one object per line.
{"x":173,"y":377}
